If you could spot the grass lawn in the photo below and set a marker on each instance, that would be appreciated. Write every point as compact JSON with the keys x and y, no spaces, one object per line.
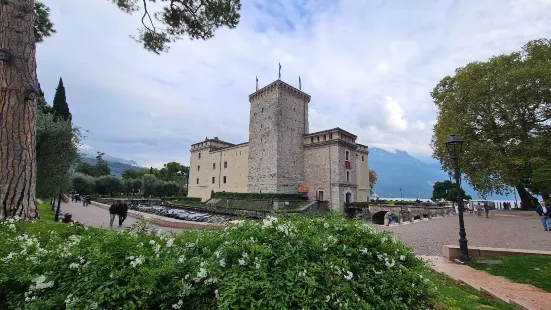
{"x":530,"y":269}
{"x":45,"y":211}
{"x":455,"y":295}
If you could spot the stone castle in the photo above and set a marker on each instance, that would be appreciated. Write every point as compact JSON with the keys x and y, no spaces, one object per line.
{"x":282,"y":156}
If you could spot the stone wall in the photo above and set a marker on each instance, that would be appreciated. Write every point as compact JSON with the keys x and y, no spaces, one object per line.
{"x":317,"y":172}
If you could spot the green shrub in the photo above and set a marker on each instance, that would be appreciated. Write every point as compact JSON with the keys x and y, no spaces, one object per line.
{"x":275,"y":196}
{"x":184,"y":199}
{"x":297,"y":263}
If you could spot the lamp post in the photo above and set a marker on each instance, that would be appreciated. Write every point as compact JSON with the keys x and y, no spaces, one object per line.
{"x":450,"y":174}
{"x":401,"y":193}
{"x":454,"y":145}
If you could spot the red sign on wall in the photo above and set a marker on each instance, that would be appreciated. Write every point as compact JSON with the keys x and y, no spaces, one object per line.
{"x":347,"y":165}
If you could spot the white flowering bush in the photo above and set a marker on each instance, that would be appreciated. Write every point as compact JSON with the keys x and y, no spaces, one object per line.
{"x":298,"y":263}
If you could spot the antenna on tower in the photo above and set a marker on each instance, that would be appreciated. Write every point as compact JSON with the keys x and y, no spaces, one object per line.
{"x":279,"y":71}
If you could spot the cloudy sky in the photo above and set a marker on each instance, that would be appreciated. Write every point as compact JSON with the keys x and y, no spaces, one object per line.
{"x":369,"y":66}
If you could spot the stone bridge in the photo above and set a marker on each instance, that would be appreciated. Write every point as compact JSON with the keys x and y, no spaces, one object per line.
{"x":378,"y":213}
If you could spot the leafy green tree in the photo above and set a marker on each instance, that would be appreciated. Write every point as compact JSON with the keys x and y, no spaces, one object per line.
{"x":149,"y":183}
{"x":41,"y":103}
{"x":83,"y":184}
{"x":502,"y":108}
{"x":56,"y":153}
{"x":130,"y":174}
{"x":86,"y":168}
{"x":178,"y":18}
{"x":446,"y":191}
{"x":60,"y":106}
{"x":372,"y":180}
{"x":166,"y":189}
{"x":108,"y":185}
{"x":43,"y":27}
{"x":136,"y":186}
{"x":102,"y":167}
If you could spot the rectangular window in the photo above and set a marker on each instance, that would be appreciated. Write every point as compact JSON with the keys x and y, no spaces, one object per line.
{"x":224,"y":179}
{"x":324,"y":137}
{"x":213,"y":166}
{"x":362,"y":158}
{"x":346,"y":154}
{"x":320,"y":195}
{"x":348,"y":176}
{"x":213,"y":180}
{"x":226,"y":164}
{"x":318,"y":138}
{"x":312,"y":139}
{"x":330,"y":136}
{"x":197,"y":180}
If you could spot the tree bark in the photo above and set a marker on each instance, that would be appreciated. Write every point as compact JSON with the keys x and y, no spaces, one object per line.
{"x":17,"y":115}
{"x":58,"y":209}
{"x":527,"y":201}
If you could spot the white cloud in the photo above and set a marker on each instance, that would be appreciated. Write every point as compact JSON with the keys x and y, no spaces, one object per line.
{"x":352,"y":57}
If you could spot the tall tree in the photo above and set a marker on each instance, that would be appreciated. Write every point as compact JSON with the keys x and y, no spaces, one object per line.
{"x":41,"y":103}
{"x":29,"y":23}
{"x":372,"y":180}
{"x":102,"y":167}
{"x":60,"y":106}
{"x":86,"y":168}
{"x":446,"y":191}
{"x":56,"y":153}
{"x":502,"y":108}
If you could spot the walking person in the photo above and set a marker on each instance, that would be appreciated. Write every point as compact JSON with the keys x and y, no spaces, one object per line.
{"x":544,"y":212}
{"x":123,"y":212}
{"x":113,"y":210}
{"x":487,"y":209}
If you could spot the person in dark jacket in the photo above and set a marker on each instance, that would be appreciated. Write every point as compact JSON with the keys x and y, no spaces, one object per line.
{"x":123,"y":211}
{"x":113,"y":210}
{"x":68,"y":218}
{"x":544,"y":212}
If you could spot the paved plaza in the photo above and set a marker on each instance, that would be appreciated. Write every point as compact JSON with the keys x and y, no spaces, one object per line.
{"x":504,"y":229}
{"x":98,"y":217}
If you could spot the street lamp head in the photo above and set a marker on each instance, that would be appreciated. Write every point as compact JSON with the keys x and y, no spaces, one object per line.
{"x":454,"y":144}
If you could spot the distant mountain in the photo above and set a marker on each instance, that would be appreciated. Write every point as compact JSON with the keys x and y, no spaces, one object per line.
{"x":91,"y":153}
{"x":117,"y":165}
{"x":399,"y":169}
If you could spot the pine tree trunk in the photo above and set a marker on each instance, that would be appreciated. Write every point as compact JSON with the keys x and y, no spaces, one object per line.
{"x":17,"y":115}
{"x":58,"y":209}
{"x":527,"y":201}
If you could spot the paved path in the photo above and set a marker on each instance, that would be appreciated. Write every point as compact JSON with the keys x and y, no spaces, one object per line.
{"x":98,"y":217}
{"x":504,"y":229}
{"x":524,"y":295}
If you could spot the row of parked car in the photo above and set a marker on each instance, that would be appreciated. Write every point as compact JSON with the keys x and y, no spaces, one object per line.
{"x":181,"y":214}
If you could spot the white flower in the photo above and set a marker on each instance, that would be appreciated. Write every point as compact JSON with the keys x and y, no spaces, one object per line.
{"x":242,"y":262}
{"x":363,"y":251}
{"x":152,"y":242}
{"x":326,"y":225}
{"x":402,"y":257}
{"x":217,"y":254}
{"x":222,"y":263}
{"x":348,"y":275}
{"x":269,"y":221}
{"x":202,"y":273}
{"x":170,"y":242}
{"x":178,"y":305}
{"x":257,"y":262}
{"x":157,"y":248}
{"x":383,"y":239}
{"x":216,"y":294}
{"x":181,"y":259}
{"x":327,"y":298}
{"x":74,"y":266}
{"x":389,"y":264}
{"x":136,"y":261}
{"x":40,"y":283}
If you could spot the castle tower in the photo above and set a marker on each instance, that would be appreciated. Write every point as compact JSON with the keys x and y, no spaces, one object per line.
{"x":278,"y":121}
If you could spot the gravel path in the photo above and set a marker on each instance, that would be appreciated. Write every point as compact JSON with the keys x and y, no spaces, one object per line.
{"x":98,"y":217}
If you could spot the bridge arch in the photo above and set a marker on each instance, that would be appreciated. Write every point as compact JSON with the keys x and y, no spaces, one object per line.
{"x":378,"y":218}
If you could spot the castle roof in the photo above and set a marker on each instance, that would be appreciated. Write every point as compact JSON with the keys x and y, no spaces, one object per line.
{"x":280,"y":84}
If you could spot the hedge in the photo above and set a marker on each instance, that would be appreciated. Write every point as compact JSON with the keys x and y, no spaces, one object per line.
{"x":182,"y":199}
{"x":297,"y":263}
{"x":274,"y":196}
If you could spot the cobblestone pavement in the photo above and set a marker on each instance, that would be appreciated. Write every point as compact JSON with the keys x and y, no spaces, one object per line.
{"x":98,"y":217}
{"x":504,"y":229}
